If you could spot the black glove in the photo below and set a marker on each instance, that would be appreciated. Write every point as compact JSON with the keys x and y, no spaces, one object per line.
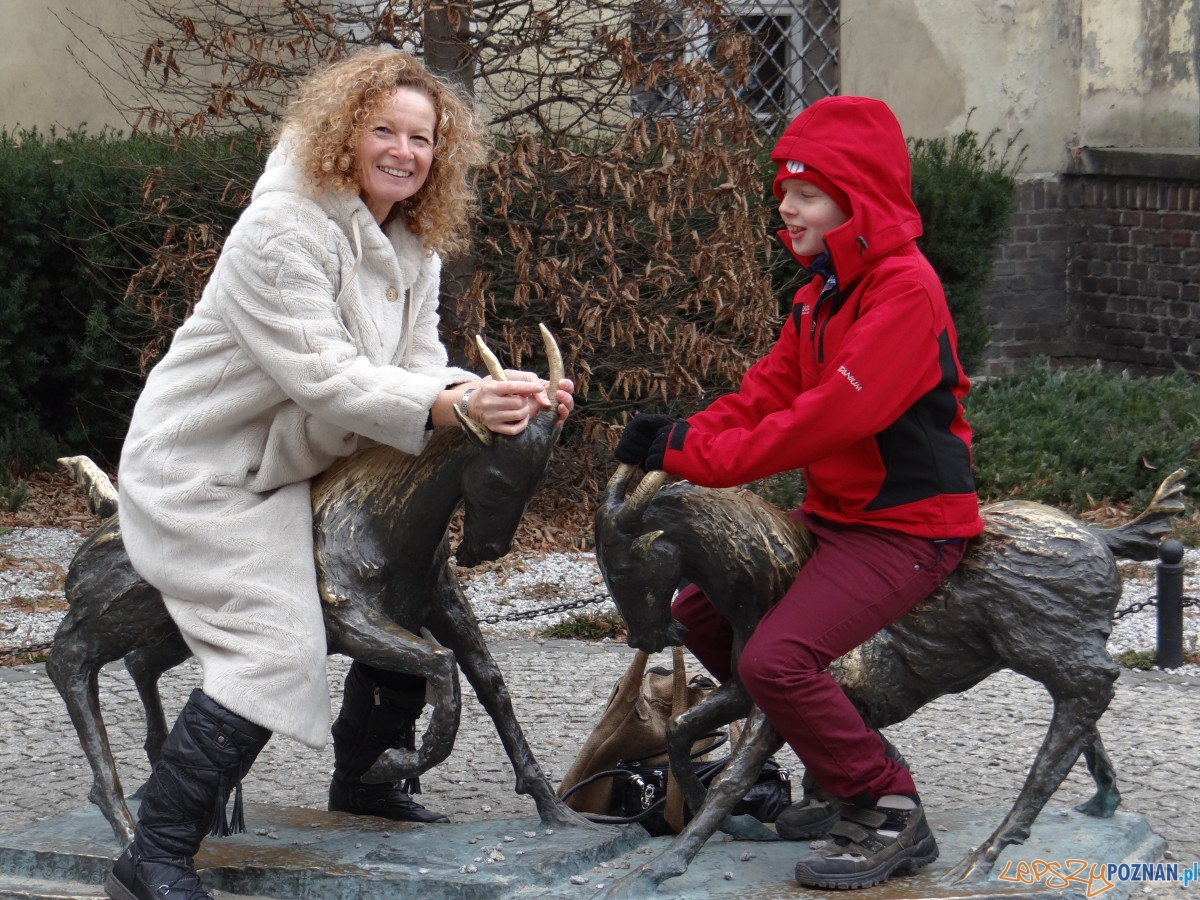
{"x":658,"y":446}
{"x":638,"y":437}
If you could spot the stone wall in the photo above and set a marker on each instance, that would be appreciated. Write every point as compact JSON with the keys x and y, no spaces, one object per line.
{"x":1103,"y":265}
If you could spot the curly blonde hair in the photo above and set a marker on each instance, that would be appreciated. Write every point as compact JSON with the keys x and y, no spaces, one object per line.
{"x":325,"y":121}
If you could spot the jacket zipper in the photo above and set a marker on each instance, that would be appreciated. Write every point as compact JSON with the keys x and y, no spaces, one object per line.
{"x":835,"y":295}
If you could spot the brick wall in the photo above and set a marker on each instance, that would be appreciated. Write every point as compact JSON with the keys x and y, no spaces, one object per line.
{"x":1100,"y":267}
{"x":1029,"y":308}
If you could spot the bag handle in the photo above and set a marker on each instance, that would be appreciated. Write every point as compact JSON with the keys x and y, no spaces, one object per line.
{"x":718,"y":740}
{"x":602,"y":748}
{"x":673,"y":812}
{"x":704,"y":771}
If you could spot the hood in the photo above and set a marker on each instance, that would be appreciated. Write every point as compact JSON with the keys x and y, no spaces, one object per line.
{"x":858,"y":145}
{"x":282,"y":174}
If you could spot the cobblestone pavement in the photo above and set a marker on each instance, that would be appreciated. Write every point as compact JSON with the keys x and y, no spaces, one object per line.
{"x":968,"y":750}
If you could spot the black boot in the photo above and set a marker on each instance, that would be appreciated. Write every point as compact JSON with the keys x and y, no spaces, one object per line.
{"x":379,"y":712}
{"x":204,"y":759}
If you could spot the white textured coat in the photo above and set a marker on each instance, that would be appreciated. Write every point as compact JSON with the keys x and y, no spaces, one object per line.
{"x":316,"y":328}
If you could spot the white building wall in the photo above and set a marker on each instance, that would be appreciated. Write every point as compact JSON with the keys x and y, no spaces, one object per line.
{"x":1063,"y":73}
{"x":43,"y":86}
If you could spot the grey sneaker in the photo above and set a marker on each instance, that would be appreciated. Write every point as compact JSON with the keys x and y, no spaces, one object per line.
{"x":869,"y":846}
{"x":808,"y":818}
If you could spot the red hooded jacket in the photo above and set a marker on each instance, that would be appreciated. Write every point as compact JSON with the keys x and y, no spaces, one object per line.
{"x":862,"y":390}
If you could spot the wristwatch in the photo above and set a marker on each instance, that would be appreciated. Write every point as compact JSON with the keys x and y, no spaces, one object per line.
{"x":463,"y":400}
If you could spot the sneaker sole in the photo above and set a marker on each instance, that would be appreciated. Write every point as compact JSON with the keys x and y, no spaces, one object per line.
{"x":922,"y":854}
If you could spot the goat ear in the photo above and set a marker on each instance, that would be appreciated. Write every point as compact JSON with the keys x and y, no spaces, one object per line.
{"x":642,"y":545}
{"x":473,"y":429}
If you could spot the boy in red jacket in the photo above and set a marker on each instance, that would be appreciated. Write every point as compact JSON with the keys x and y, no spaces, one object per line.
{"x":863,"y":392}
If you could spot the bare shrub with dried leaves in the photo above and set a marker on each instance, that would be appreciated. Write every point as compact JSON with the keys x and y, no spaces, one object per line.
{"x":641,"y":239}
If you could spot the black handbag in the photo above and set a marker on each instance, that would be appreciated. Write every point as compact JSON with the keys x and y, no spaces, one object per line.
{"x":638,"y":788}
{"x":640,"y":793}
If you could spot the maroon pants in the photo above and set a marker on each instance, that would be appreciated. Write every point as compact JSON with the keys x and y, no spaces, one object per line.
{"x":858,"y":580}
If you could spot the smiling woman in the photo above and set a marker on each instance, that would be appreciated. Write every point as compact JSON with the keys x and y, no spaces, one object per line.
{"x":395,"y":151}
{"x":317,"y":335}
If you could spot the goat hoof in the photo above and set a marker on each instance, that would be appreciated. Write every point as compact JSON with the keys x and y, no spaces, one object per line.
{"x":394,"y":765}
{"x":973,"y":867}
{"x":559,"y":815}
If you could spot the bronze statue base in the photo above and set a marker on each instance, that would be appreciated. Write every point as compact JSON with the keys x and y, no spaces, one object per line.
{"x":306,"y":854}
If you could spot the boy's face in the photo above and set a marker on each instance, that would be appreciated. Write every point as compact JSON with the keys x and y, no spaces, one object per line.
{"x":808,"y":212}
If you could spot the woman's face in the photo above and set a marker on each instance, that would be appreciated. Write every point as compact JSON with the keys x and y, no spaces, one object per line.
{"x":395,"y":150}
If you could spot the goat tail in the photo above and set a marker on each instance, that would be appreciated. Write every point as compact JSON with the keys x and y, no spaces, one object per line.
{"x":101,"y":494}
{"x":1139,"y":538}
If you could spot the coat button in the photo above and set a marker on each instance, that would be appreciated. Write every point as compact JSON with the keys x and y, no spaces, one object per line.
{"x":392,"y":294}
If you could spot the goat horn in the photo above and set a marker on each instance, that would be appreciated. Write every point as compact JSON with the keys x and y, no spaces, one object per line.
{"x":622,"y":475}
{"x":617,"y":483}
{"x":641,"y":496}
{"x":555,"y":363}
{"x":489,"y":359}
{"x":643,"y":544}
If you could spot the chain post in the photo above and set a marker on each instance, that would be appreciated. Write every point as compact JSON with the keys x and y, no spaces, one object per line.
{"x":1170,"y":604}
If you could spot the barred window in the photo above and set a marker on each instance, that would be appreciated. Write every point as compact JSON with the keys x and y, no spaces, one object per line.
{"x":793,"y":43}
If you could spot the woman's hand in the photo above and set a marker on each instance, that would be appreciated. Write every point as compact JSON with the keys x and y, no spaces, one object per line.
{"x":563,"y":396}
{"x":505,"y":407}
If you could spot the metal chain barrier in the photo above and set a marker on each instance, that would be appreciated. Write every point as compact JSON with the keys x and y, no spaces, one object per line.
{"x":544,"y":611}
{"x":7,"y":653}
{"x":1153,"y":601}
{"x":12,"y":656}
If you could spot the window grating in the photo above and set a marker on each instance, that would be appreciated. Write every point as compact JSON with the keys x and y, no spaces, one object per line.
{"x":793,"y":46}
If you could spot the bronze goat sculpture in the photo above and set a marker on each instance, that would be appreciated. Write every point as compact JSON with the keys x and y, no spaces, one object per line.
{"x":381,"y":520}
{"x":1035,"y":593}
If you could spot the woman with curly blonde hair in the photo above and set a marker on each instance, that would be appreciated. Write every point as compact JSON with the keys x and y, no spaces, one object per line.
{"x":316,"y":334}
{"x":326,"y":124}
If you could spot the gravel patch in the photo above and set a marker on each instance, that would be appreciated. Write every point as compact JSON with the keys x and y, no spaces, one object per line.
{"x":515,"y":598}
{"x":33,"y":570}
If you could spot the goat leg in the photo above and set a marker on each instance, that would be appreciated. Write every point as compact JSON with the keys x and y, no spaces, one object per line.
{"x":146,"y":665}
{"x":726,"y":703}
{"x":456,"y":624}
{"x":374,"y":639}
{"x":1070,"y":727}
{"x":1107,"y":798}
{"x":758,"y":742}
{"x":79,"y":688}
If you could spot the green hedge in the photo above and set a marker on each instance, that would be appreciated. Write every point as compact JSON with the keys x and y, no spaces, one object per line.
{"x":74,"y":228}
{"x":966,"y":193}
{"x":1071,"y":438}
{"x":63,"y":202}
